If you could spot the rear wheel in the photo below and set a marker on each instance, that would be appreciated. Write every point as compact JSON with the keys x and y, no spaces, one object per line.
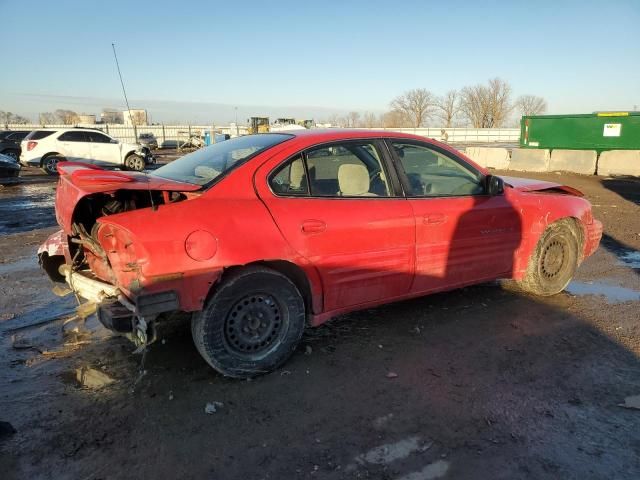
{"x":554,"y":261}
{"x":251,"y":325}
{"x":134,"y":162}
{"x":50,"y":164}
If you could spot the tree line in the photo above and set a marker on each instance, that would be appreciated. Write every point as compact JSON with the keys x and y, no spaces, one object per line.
{"x":487,"y":105}
{"x":8,"y":117}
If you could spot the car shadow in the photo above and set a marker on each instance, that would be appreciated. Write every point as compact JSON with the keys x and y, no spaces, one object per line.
{"x":627,"y":187}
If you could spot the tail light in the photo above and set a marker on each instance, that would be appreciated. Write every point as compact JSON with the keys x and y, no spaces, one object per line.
{"x":31,"y":145}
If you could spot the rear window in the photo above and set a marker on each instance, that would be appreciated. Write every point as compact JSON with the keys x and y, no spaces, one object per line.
{"x":38,"y":135}
{"x":208,"y":164}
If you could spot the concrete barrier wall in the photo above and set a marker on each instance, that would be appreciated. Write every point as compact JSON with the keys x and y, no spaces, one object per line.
{"x":530,"y":160}
{"x":619,"y":162}
{"x":576,"y":161}
{"x":489,"y":157}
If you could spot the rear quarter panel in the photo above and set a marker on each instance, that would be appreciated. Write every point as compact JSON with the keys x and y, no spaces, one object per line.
{"x":229,"y":211}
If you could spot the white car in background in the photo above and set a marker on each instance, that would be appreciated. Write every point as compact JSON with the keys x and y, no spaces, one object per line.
{"x":46,"y":147}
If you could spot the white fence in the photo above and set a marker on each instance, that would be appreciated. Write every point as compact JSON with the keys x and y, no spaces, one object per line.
{"x":163,"y":133}
{"x":128,"y":133}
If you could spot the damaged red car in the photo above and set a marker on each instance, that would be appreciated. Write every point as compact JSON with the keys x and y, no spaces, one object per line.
{"x":260,"y":236}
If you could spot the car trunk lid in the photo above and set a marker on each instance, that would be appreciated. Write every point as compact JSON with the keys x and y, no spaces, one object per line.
{"x":78,"y":180}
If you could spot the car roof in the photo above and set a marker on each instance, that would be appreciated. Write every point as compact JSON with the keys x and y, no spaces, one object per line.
{"x":328,"y":134}
{"x":65,"y":129}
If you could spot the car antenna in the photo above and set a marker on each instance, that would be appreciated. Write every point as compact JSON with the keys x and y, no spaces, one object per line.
{"x":124,"y":92}
{"x":126,"y":101}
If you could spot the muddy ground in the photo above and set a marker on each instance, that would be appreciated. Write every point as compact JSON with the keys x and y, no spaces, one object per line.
{"x":490,"y":383}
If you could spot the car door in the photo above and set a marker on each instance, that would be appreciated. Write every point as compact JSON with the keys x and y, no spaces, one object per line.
{"x":337,"y":207}
{"x":103,"y":151}
{"x":463,"y":235}
{"x":75,"y":146}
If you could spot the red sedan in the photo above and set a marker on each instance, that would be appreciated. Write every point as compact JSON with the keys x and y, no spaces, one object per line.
{"x":259,"y":236}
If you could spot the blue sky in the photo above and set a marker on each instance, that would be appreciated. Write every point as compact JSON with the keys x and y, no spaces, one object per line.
{"x":199,"y":59}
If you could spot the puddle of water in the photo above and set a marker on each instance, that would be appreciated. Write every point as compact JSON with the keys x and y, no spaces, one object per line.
{"x":26,"y":207}
{"x":612,"y":293}
{"x":630,"y":258}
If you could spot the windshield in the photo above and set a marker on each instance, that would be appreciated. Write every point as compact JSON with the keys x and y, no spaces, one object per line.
{"x":203,"y":166}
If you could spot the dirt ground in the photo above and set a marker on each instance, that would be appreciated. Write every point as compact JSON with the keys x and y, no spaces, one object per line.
{"x":483,"y":382}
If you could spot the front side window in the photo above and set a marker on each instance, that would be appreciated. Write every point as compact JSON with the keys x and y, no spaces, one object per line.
{"x":350,"y":169}
{"x":98,"y":137}
{"x":204,"y":166}
{"x":430,"y":173}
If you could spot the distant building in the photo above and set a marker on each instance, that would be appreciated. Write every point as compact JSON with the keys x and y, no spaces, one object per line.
{"x":134,"y":117}
{"x":86,"y":119}
{"x":111,"y":116}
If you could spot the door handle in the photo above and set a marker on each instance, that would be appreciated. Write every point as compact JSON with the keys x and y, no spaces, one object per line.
{"x":434,"y":219}
{"x":313,"y":226}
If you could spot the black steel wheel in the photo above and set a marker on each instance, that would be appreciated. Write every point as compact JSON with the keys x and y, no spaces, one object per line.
{"x":251,"y":324}
{"x":554,"y":261}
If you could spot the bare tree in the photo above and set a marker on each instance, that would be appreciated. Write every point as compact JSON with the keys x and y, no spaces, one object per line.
{"x":67,"y":117}
{"x":448,"y":107}
{"x":416,"y":105}
{"x":352,"y":119}
{"x":47,"y":118}
{"x":531,"y":105}
{"x":393,"y":119}
{"x":369,"y":120}
{"x":334,"y":120}
{"x":487,"y":106}
{"x":8,"y":117}
{"x":111,"y":116}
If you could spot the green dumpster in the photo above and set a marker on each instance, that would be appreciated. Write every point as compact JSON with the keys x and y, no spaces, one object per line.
{"x":592,"y":131}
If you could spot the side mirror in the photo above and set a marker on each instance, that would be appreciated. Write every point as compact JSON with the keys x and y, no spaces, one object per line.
{"x":113,"y":140}
{"x":493,"y":185}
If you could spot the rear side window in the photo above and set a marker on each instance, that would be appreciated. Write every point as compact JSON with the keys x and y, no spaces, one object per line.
{"x":38,"y":135}
{"x":290,"y":179}
{"x":73,"y":137}
{"x":350,"y":169}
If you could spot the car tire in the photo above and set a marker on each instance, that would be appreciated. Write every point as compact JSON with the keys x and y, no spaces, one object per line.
{"x":50,"y":164}
{"x":134,"y":162}
{"x":554,"y":261}
{"x":252,"y":323}
{"x":15,"y":154}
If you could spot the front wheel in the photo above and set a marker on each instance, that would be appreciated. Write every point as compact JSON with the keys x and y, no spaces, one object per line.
{"x":251,"y":325}
{"x":134,"y":162}
{"x":554,"y":261}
